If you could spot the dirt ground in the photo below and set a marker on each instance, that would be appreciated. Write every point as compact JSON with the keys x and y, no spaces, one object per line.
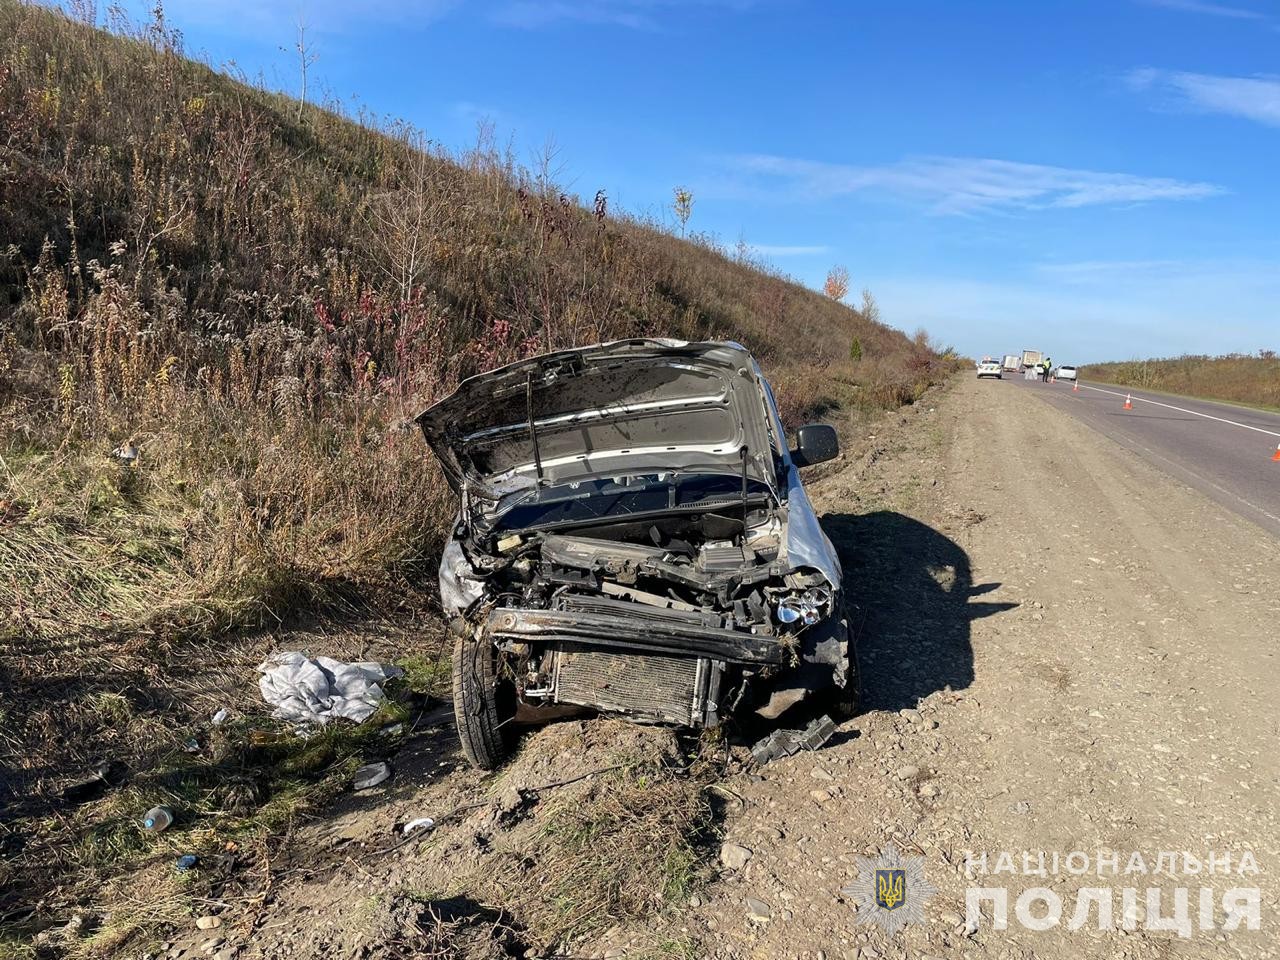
{"x":1063,"y":650}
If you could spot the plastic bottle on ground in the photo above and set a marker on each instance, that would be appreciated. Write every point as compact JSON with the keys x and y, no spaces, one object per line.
{"x":157,"y":819}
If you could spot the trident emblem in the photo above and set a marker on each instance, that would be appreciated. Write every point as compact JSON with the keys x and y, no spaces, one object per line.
{"x":891,"y":888}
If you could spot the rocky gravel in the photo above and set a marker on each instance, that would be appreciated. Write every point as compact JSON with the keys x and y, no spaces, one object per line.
{"x":1063,"y":650}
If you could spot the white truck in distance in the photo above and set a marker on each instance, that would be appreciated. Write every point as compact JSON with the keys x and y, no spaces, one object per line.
{"x":1011,"y":363}
{"x":1031,"y":358}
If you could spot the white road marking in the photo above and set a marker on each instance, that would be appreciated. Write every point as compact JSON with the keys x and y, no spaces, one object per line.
{"x":1170,"y":406}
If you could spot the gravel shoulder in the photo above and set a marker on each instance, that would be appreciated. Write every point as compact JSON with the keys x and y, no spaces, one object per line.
{"x":1093,"y":646}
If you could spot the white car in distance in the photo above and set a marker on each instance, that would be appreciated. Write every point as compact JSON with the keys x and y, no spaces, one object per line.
{"x":1065,"y":373}
{"x":990,"y":368}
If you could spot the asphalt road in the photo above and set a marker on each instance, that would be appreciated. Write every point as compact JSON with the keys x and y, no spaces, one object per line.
{"x":1222,"y":450}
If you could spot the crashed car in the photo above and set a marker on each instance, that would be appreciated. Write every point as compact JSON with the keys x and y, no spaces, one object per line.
{"x":633,"y":538}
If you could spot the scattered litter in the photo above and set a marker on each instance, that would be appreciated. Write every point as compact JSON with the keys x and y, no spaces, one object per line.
{"x":783,"y":743}
{"x":219,"y":718}
{"x":157,"y":819}
{"x":317,"y":689}
{"x":372,"y":774}
{"x":421,"y":823}
{"x":191,"y":745}
{"x":186,"y":862}
{"x":393,"y":730}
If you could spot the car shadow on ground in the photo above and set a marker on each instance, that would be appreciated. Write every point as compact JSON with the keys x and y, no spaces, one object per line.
{"x":910,"y":591}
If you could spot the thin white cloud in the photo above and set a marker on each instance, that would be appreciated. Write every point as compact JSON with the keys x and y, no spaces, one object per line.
{"x":962,"y":185}
{"x":1108,"y":271}
{"x":1254,"y":98}
{"x":1205,"y":7}
{"x":630,"y":14}
{"x":783,"y":250}
{"x":537,"y":13}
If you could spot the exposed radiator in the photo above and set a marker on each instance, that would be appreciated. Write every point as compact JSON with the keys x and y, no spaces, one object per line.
{"x":648,"y":686}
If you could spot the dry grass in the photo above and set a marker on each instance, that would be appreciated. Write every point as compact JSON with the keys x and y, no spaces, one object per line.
{"x":612,"y":830}
{"x":254,"y":295}
{"x":626,"y":850}
{"x":1237,"y":378}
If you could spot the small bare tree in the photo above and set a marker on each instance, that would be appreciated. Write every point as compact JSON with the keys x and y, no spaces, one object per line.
{"x":837,"y":283}
{"x":403,"y":219}
{"x":870,"y":309}
{"x":683,"y":207}
{"x":307,"y":57}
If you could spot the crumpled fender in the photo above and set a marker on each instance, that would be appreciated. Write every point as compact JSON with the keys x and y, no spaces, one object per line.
{"x":806,"y":543}
{"x":459,"y":587}
{"x":824,"y":647}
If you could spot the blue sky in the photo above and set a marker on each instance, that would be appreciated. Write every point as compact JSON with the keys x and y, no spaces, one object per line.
{"x":1095,"y":178}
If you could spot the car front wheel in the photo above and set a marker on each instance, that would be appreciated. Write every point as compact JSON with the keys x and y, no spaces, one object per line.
{"x":484,"y":701}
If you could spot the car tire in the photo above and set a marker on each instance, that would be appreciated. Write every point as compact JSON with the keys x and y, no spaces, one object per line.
{"x":847,"y":701}
{"x":484,"y":702}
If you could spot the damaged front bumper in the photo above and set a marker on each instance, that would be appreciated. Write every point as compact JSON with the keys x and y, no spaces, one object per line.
{"x":628,"y":626}
{"x":660,"y":666}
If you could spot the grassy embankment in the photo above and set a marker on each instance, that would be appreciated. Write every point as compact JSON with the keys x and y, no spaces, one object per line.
{"x":216,"y":307}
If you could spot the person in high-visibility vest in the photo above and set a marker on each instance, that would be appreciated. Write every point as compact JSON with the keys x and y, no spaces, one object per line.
{"x":1045,"y":367}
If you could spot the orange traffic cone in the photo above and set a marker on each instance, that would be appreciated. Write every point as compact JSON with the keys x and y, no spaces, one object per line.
{"x":1075,"y":386}
{"x":1128,"y":402}
{"x":1276,"y":455}
{"x":1053,"y":379}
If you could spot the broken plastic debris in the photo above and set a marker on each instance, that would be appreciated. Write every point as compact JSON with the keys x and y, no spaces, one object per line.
{"x":186,"y":862}
{"x":220,"y":717}
{"x":421,"y":823}
{"x":783,"y":743}
{"x":372,"y":774}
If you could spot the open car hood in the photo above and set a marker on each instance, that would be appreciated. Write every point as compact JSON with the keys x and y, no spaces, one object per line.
{"x":626,"y":408}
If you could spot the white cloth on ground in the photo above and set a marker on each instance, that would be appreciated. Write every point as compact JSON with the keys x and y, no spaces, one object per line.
{"x":317,"y":689}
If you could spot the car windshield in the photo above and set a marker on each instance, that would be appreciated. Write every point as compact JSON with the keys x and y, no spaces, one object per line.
{"x":617,"y":497}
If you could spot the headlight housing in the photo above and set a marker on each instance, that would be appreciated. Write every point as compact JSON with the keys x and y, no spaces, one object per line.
{"x":805,"y":608}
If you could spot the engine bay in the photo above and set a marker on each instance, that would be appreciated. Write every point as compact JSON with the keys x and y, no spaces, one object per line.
{"x":733,"y":576}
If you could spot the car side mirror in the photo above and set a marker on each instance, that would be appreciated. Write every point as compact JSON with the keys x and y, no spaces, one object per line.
{"x":815,"y":443}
